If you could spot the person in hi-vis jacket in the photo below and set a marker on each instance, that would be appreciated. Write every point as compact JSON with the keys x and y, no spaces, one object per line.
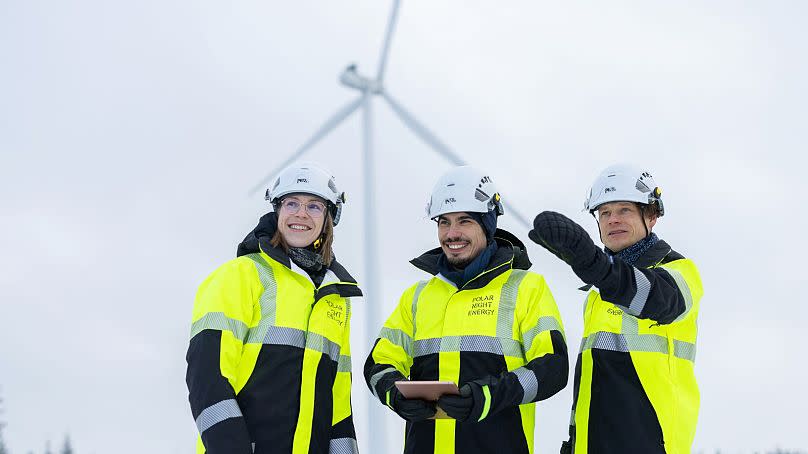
{"x":635,"y":389}
{"x":480,"y":320}
{"x":269,"y":361}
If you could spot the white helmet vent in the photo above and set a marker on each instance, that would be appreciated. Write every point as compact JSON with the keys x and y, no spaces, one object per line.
{"x":480,"y":195}
{"x":642,"y":187}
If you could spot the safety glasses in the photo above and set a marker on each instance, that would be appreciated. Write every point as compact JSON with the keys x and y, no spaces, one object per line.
{"x":314,"y":208}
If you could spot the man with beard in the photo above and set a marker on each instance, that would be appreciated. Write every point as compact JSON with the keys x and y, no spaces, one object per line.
{"x":481,"y":321}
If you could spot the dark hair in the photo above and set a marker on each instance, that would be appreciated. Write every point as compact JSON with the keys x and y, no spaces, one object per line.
{"x":326,"y":239}
{"x":650,"y":210}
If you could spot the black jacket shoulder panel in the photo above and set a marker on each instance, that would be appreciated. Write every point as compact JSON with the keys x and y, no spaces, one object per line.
{"x":659,"y":253}
{"x":520,"y":259}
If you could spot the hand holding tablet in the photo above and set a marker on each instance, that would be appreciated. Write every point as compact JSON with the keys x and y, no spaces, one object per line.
{"x":429,"y":391}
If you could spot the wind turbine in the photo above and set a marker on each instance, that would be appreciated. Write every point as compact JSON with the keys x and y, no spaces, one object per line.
{"x":368,"y":88}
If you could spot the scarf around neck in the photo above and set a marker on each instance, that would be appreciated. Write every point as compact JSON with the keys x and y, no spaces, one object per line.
{"x":632,"y":253}
{"x":461,"y":276}
{"x":310,"y":261}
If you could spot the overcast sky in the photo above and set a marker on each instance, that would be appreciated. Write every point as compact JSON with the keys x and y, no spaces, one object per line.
{"x":131,"y":132}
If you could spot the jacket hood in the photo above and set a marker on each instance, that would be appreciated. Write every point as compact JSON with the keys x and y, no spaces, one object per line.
{"x":508,"y":247}
{"x":267,"y":226}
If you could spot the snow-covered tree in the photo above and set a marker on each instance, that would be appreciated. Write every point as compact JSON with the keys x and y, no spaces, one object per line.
{"x":3,"y":449}
{"x":66,"y":447}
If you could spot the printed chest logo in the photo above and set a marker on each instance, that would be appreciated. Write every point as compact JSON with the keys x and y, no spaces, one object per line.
{"x":335,"y":312}
{"x":482,"y":306}
{"x":614,"y":311}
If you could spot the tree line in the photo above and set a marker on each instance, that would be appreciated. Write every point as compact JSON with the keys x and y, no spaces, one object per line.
{"x":67,"y":447}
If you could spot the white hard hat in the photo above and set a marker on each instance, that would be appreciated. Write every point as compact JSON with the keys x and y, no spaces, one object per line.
{"x":624,"y":183}
{"x":464,"y":189}
{"x":308,"y":178}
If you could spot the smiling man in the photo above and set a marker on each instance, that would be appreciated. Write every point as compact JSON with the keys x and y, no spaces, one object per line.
{"x":635,"y":387}
{"x":481,"y":321}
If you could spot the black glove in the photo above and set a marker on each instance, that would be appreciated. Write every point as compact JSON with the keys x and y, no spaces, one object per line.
{"x":409,"y":409}
{"x":570,"y":242}
{"x":468,"y":405}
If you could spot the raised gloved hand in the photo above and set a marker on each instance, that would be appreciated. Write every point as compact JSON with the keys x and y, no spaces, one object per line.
{"x":569,"y":241}
{"x":409,"y":409}
{"x":471,"y":404}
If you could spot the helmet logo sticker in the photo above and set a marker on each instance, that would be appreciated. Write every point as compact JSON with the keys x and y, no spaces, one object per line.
{"x":610,"y":189}
{"x":450,"y":200}
{"x":302,"y":180}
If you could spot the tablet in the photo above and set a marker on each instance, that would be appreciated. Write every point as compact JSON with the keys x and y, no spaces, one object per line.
{"x":426,"y":390}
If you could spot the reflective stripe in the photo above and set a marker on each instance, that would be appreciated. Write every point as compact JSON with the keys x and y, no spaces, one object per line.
{"x":643,"y":288}
{"x":268,"y":299}
{"x":217,"y":413}
{"x":684,"y":350}
{"x":344,"y":363}
{"x":374,"y":380}
{"x":415,"y":297}
{"x":530,"y":385}
{"x":486,"y":404}
{"x":684,"y":289}
{"x":483,"y":344}
{"x":507,"y":304}
{"x":343,"y":446}
{"x":546,"y":323}
{"x":638,"y":343}
{"x":321,"y":344}
{"x":281,"y":335}
{"x":424,"y":347}
{"x":220,"y":322}
{"x":293,"y":337}
{"x":631,"y":325}
{"x":397,"y":337}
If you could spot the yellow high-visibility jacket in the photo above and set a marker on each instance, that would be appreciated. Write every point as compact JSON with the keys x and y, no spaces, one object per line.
{"x":635,"y":387}
{"x":269,"y":367}
{"x":502,"y":327}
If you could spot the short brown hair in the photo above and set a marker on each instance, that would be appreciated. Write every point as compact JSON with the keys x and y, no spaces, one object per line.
{"x":650,"y":211}
{"x":326,"y":237}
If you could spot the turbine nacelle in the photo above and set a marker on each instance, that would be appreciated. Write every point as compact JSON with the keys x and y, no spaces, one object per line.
{"x":352,"y":79}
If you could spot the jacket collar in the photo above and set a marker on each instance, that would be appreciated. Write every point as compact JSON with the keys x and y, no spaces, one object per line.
{"x":659,"y":253}
{"x":511,"y":253}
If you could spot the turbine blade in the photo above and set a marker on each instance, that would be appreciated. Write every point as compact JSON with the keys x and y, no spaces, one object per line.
{"x":425,"y":135}
{"x":510,"y":210}
{"x":422,"y":132}
{"x":326,"y":128}
{"x":391,"y":25}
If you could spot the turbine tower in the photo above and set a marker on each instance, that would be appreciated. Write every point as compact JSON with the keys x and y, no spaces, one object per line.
{"x":368,"y":88}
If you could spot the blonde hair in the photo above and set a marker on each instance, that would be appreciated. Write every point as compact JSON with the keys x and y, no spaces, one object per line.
{"x":326,"y":239}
